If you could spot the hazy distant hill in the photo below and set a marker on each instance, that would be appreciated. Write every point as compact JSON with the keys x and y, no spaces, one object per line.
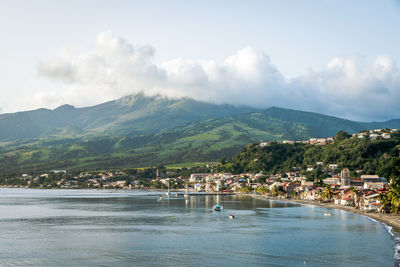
{"x":130,"y":114}
{"x":144,"y":131}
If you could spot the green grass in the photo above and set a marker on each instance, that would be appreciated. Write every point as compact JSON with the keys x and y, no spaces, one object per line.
{"x":190,"y":164}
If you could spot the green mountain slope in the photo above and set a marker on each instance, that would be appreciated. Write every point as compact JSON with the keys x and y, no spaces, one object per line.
{"x":128,"y":115}
{"x":203,"y":140}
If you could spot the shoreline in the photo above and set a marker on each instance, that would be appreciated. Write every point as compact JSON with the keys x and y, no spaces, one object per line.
{"x":389,"y":219}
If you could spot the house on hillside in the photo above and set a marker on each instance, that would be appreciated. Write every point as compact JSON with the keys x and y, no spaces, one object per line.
{"x":373,"y":136}
{"x":310,"y":168}
{"x":263,"y":144}
{"x":288,"y":142}
{"x":333,"y":166}
{"x":361,"y":135}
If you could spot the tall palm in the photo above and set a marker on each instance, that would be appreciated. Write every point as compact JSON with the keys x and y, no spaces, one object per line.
{"x":274,"y":190}
{"x":357,"y":196}
{"x":391,"y":201}
{"x":394,"y":196}
{"x":320,"y":193}
{"x":328,"y":193}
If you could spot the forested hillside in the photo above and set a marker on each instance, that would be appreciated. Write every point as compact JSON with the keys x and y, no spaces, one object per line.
{"x":380,"y":156}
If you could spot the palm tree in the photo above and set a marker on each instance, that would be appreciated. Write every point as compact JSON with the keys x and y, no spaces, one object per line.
{"x":385,"y":202}
{"x":393,"y":196}
{"x":275,"y":191}
{"x":357,"y":198}
{"x":261,"y":190}
{"x":328,"y":193}
{"x":320,"y":193}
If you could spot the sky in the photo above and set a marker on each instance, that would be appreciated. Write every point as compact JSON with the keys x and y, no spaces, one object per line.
{"x":339,"y":58}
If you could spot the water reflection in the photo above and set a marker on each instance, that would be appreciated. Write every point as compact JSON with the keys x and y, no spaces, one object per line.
{"x":78,"y":227}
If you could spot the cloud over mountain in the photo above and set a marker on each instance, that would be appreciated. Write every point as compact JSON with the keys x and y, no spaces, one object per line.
{"x":347,"y":86}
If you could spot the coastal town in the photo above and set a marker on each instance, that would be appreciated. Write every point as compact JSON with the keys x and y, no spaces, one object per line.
{"x":341,"y":186}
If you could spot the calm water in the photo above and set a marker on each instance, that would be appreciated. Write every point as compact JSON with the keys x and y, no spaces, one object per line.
{"x":120,"y":228}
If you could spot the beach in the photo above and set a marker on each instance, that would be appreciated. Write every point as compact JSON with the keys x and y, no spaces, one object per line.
{"x":390,"y":219}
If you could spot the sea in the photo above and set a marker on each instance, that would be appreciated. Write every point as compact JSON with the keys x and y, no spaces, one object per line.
{"x":137,"y":228}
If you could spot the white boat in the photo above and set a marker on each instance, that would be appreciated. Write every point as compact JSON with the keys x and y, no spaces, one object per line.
{"x":327,"y":214}
{"x":217,"y":207}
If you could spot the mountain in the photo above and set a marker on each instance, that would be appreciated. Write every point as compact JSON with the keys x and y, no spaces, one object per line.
{"x":139,"y":131}
{"x":322,"y":125}
{"x":128,"y":115}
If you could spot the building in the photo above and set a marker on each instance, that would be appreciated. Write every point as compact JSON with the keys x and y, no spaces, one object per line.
{"x":361,"y":135}
{"x":373,"y":136}
{"x":288,"y":142}
{"x":345,"y":177}
{"x":331,"y":181}
{"x":310,"y":168}
{"x":373,"y":179}
{"x":263,"y":144}
{"x":333,"y":166}
{"x":197,"y":176}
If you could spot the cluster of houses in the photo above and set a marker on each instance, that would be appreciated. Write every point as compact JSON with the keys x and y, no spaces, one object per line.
{"x":375,"y":134}
{"x":372,"y":134}
{"x":362,"y":192}
{"x":87,"y":179}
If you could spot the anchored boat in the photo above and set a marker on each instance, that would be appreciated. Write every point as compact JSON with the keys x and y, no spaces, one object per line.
{"x":217,"y":207}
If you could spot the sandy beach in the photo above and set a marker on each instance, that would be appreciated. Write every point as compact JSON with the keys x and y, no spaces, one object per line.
{"x":387,"y":218}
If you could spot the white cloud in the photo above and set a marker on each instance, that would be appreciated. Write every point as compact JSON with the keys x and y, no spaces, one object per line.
{"x":346,"y":86}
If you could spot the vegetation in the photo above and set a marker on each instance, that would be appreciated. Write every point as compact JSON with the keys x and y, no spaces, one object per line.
{"x":138,"y":131}
{"x":391,"y":200}
{"x":380,"y":156}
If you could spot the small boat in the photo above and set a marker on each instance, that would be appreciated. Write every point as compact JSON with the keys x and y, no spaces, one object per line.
{"x":231,"y":216}
{"x":217,"y":207}
{"x":327,"y":214}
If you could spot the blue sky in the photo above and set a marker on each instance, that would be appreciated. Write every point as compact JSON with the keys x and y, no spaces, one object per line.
{"x":203,"y":46}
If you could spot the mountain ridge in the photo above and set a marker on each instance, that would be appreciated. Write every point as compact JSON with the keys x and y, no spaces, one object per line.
{"x":139,"y":131}
{"x":148,"y":114}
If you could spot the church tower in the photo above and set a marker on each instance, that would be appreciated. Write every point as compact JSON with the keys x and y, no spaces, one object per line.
{"x":345,"y":177}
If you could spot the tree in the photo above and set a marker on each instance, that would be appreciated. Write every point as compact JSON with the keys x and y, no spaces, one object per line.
{"x":391,"y":200}
{"x":222,"y":160}
{"x":275,"y":191}
{"x":342,"y":135}
{"x":327,"y":193}
{"x":262,"y":190}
